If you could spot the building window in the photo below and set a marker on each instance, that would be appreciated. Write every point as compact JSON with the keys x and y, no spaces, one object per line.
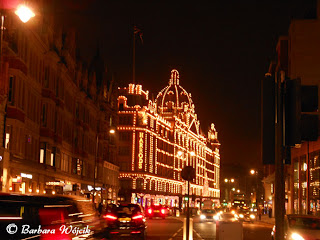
{"x":42,"y":152}
{"x":46,"y":77}
{"x":44,"y":115}
{"x":125,"y":136}
{"x":11,"y":90}
{"x":124,"y":151}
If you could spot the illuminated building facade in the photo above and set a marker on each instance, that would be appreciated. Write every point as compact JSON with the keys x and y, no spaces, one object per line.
{"x":157,"y":139}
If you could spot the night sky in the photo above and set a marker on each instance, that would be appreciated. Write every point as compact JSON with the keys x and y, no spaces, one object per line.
{"x":222,"y":50}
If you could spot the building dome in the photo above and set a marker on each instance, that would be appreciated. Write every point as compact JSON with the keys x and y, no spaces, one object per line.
{"x":174,"y":98}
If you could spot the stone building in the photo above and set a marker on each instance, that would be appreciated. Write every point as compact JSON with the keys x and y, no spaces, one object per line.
{"x":59,"y":113}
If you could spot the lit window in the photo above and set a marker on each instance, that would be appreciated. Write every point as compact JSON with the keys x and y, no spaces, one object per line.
{"x":7,"y":140}
{"x":41,"y":155}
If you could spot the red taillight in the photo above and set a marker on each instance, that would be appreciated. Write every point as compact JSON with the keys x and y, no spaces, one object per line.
{"x":163,"y":211}
{"x":149,"y":210}
{"x":135,"y":232}
{"x":110,"y":217}
{"x":137,"y":217}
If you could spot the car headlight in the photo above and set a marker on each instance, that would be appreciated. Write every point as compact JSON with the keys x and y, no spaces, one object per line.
{"x":241,"y":216}
{"x":216,"y":217}
{"x":202,"y":216}
{"x":296,"y":236}
{"x":233,"y":212}
{"x":252,"y":216}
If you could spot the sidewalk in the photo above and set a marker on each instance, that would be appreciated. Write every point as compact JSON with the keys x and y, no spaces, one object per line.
{"x":265,"y":219}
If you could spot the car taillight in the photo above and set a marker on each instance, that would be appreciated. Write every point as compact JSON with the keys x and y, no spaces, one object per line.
{"x":110,"y":217}
{"x":137,"y":217}
{"x":163,"y":211}
{"x":149,"y":210}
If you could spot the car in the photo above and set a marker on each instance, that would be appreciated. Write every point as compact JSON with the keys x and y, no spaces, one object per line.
{"x":228,"y":217}
{"x":156,"y":210}
{"x":300,"y":227}
{"x":126,"y":220}
{"x":245,"y":215}
{"x":209,"y":215}
{"x":48,"y":217}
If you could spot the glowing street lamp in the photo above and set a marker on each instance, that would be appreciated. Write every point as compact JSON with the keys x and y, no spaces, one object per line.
{"x":112,"y":131}
{"x":252,"y":171}
{"x":232,"y":180}
{"x":24,"y":13}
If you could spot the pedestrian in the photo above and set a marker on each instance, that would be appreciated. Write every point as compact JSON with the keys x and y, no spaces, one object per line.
{"x":100,"y":208}
{"x":270,"y":212}
{"x":260,"y":213}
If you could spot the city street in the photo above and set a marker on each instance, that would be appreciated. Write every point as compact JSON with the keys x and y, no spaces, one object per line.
{"x":172,"y":228}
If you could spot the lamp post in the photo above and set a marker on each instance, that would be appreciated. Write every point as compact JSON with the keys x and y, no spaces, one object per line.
{"x":228,"y":188}
{"x":111,"y":132}
{"x":25,"y":14}
{"x":255,"y":173}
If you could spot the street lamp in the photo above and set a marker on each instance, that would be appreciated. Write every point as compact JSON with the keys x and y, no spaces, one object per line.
{"x":255,"y":172}
{"x":24,"y":13}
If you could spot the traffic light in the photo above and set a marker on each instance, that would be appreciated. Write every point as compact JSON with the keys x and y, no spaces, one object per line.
{"x":268,"y":119}
{"x":301,"y":118}
{"x":309,"y":116}
{"x":292,"y":109}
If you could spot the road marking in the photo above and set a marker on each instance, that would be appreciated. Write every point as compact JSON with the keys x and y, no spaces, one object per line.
{"x":175,"y":234}
{"x":198,"y":235}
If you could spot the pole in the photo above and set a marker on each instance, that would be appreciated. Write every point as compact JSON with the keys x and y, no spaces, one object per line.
{"x":308,"y":180}
{"x":188,"y":214}
{"x":279,"y":165}
{"x":1,"y":36}
{"x":95,"y":169}
{"x":134,"y":56}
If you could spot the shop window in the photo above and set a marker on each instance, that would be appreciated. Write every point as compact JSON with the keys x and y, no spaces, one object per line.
{"x":139,"y":184}
{"x":126,"y":183}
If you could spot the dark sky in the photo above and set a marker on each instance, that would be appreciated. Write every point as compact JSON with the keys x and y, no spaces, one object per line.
{"x":222,"y":50}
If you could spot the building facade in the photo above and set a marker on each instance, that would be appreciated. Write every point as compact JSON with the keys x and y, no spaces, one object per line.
{"x":157,"y":139}
{"x":57,"y":114}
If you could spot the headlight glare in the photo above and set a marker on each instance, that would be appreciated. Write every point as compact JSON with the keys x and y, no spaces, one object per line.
{"x":252,"y":216}
{"x":296,"y":236}
{"x":202,"y":216}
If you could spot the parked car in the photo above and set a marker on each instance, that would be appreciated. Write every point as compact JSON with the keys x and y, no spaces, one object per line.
{"x":126,"y":220}
{"x":156,"y":210}
{"x":209,"y":215}
{"x":300,"y":227}
{"x":48,"y":217}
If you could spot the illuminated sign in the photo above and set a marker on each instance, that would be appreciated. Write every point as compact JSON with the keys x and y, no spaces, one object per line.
{"x":24,"y":175}
{"x":55,"y":183}
{"x":140,"y":154}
